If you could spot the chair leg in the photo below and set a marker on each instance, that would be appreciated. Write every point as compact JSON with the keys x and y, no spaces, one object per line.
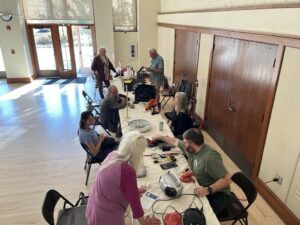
{"x":165,"y":103}
{"x":107,"y":132}
{"x":85,"y":164}
{"x":95,"y":92}
{"x":88,"y":173}
{"x":162,"y":101}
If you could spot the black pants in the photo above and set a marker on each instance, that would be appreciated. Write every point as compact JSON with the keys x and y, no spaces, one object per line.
{"x":100,"y":79}
{"x":219,"y":201}
{"x":103,"y":153}
{"x":108,"y":145}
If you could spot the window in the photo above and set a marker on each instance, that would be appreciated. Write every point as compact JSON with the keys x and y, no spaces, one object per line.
{"x":59,"y":11}
{"x":124,"y":15}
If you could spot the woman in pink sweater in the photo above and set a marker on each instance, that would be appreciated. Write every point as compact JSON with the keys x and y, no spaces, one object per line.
{"x":115,"y":186}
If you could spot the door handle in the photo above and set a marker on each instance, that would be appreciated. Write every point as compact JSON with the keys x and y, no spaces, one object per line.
{"x":230,"y":108}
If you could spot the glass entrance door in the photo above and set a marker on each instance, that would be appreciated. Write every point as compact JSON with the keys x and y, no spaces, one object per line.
{"x":83,"y":47}
{"x":44,"y":51}
{"x":2,"y":67}
{"x":53,"y":50}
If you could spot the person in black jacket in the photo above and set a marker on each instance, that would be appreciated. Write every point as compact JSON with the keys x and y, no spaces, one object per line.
{"x":181,"y":120}
{"x":101,"y":66}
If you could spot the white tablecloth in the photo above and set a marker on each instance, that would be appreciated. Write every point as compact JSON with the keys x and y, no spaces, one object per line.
{"x":154,"y":171}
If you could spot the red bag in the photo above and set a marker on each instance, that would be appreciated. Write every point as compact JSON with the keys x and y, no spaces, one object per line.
{"x":174,"y":218}
{"x":187,"y":177}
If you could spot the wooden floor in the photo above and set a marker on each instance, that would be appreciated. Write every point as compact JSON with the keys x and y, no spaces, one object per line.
{"x":39,"y":150}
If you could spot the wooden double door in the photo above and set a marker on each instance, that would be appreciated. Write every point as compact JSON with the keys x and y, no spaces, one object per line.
{"x":240,"y":83}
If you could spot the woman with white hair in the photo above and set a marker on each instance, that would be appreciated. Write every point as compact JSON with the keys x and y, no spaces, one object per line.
{"x":182,"y":120}
{"x":115,"y":186}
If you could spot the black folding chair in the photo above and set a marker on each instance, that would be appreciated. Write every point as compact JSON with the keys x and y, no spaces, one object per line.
{"x":90,"y":101}
{"x":168,"y":94}
{"x":90,"y":159}
{"x":184,"y":86}
{"x":94,"y":108}
{"x":237,"y":211}
{"x":73,"y":215}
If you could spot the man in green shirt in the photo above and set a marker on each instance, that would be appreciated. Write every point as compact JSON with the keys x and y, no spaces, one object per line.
{"x":156,"y":70}
{"x":207,"y":166}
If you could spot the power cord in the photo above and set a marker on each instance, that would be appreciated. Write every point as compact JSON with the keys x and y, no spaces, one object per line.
{"x":273,"y":180}
{"x":165,"y":200}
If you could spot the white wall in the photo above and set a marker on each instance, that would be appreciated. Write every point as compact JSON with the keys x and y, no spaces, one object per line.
{"x":280,"y":21}
{"x":179,"y":5}
{"x":166,"y":39}
{"x":104,"y":26}
{"x":117,"y":43}
{"x":205,"y":56}
{"x":122,"y":51}
{"x":147,"y":28}
{"x":293,"y":201}
{"x":17,"y":65}
{"x":282,"y":146}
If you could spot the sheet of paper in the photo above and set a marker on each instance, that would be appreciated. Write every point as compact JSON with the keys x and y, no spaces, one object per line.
{"x":148,"y":199}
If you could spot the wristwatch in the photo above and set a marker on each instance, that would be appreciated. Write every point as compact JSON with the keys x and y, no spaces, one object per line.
{"x":210,"y":190}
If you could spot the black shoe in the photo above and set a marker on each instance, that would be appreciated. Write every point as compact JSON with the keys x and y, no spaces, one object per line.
{"x":117,"y":74}
{"x":119,"y":134}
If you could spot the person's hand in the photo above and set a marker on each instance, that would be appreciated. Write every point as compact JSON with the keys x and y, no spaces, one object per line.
{"x":102,"y":137}
{"x":142,"y":190}
{"x":148,"y":69}
{"x":201,"y":191}
{"x":156,"y":137}
{"x":152,"y":220}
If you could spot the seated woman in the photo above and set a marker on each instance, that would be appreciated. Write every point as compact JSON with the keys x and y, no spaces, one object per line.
{"x":115,"y":186}
{"x":181,"y":120}
{"x":99,"y":145}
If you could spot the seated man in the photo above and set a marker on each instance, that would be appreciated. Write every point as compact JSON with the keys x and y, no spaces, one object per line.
{"x":109,"y":110}
{"x":207,"y":166}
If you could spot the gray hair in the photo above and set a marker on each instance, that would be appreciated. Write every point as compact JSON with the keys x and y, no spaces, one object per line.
{"x":110,"y":89}
{"x":152,"y":50}
{"x":182,"y":103}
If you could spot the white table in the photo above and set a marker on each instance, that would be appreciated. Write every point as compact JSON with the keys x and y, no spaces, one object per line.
{"x":154,"y":171}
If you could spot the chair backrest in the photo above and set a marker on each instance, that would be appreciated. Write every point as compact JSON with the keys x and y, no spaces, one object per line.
{"x":87,"y":97}
{"x":86,"y":148}
{"x":49,"y":204}
{"x":186,"y":87}
{"x":246,"y":185}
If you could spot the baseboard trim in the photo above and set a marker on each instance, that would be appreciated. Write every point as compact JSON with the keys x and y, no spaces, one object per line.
{"x":19,"y":80}
{"x":278,"y":206}
{"x":33,"y":76}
